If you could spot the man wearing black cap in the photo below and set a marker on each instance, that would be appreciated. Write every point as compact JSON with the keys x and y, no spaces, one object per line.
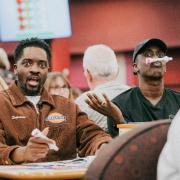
{"x":150,"y":100}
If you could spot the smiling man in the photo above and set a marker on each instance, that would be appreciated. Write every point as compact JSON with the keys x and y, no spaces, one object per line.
{"x":150,"y":100}
{"x":26,"y":105}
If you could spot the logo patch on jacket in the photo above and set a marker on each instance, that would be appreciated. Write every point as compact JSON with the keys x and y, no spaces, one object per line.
{"x":56,"y":118}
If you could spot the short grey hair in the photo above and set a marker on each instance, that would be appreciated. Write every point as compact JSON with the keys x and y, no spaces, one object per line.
{"x":100,"y":60}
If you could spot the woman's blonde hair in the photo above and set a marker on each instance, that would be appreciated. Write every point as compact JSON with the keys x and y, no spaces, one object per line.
{"x":4,"y":61}
{"x":53,"y":76}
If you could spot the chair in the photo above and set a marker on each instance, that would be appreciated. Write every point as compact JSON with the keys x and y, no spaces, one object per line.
{"x":131,"y":156}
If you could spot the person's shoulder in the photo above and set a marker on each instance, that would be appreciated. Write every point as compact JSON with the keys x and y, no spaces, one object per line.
{"x":4,"y":96}
{"x":126,"y":94}
{"x":60,"y":100}
{"x":124,"y":86}
{"x":82,"y":97}
{"x":172,"y":92}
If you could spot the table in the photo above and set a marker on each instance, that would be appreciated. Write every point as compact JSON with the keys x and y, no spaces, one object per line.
{"x":70,"y":169}
{"x":123,"y":128}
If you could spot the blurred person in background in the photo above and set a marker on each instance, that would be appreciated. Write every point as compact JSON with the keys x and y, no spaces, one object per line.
{"x":57,"y":84}
{"x":169,"y":160}
{"x":3,"y":85}
{"x":6,"y":76}
{"x":76,"y":92}
{"x":101,"y":71}
{"x":4,"y":61}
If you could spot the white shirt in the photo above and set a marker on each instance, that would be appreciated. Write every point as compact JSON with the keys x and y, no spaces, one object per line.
{"x":169,"y":160}
{"x":34,"y":99}
{"x":111,"y":89}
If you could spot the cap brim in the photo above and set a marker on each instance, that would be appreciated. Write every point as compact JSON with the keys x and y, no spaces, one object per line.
{"x":148,"y":43}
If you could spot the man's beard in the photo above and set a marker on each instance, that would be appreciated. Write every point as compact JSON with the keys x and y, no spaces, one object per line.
{"x":30,"y":92}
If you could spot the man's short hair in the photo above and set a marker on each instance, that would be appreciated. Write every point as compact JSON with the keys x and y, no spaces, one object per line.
{"x":32,"y":42}
{"x":100,"y":60}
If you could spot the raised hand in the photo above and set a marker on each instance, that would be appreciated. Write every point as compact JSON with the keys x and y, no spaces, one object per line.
{"x":105,"y":107}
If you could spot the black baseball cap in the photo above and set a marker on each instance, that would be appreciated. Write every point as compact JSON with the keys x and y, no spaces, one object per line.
{"x":142,"y":45}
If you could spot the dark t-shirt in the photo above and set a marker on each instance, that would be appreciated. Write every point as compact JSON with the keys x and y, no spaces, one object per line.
{"x":136,"y":108}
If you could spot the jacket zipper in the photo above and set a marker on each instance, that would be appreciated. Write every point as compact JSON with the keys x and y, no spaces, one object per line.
{"x":37,"y":119}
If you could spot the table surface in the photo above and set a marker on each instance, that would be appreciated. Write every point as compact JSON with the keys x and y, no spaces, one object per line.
{"x":70,"y":169}
{"x":124,"y":128}
{"x":129,"y":126}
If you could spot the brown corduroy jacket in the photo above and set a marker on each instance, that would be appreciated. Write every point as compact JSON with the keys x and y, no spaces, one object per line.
{"x":68,"y":126}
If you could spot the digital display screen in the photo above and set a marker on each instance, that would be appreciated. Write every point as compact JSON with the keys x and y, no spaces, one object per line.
{"x":45,"y":19}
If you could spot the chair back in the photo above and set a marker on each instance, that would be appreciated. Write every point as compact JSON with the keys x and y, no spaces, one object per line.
{"x":131,"y":156}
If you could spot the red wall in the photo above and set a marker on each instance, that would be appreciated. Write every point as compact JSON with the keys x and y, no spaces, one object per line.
{"x":60,"y":54}
{"x":172,"y":77}
{"x":123,"y":23}
{"x":120,"y":24}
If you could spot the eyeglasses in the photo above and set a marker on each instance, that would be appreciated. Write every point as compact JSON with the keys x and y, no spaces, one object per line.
{"x":151,"y":54}
{"x":60,"y":90}
{"x":65,"y":87}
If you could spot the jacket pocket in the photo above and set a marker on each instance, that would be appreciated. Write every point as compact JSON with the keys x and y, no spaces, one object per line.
{"x":57,"y":130}
{"x":23,"y":128}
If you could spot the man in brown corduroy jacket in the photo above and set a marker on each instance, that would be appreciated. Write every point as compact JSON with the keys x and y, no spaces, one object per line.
{"x":26,"y":105}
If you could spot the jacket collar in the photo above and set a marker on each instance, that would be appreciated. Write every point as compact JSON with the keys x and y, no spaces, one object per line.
{"x":18,"y":98}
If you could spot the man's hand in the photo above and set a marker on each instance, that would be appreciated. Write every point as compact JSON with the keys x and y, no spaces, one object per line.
{"x":35,"y":149}
{"x":106,"y":107}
